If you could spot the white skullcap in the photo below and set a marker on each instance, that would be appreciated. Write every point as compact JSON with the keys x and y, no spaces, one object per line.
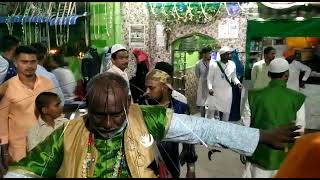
{"x":117,"y":47}
{"x":225,"y":49}
{"x":278,"y":65}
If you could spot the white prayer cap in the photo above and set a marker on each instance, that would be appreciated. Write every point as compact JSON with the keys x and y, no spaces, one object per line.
{"x":117,"y":47}
{"x":225,"y":49}
{"x":278,"y":65}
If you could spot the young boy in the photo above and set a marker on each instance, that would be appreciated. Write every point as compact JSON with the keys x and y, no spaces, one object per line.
{"x":50,"y":118}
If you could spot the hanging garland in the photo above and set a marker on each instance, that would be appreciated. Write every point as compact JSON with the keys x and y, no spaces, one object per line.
{"x":191,"y":13}
{"x":184,"y":12}
{"x":173,"y":13}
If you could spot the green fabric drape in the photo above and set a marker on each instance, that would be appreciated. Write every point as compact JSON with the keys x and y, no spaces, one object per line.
{"x":47,"y":157}
{"x":74,"y":65}
{"x":106,"y":16}
{"x":279,"y":28}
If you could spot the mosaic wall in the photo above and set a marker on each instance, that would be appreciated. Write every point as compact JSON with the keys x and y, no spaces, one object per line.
{"x":136,"y":13}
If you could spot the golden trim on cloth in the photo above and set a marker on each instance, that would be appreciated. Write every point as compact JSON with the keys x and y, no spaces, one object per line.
{"x":17,"y":172}
{"x":138,"y":156}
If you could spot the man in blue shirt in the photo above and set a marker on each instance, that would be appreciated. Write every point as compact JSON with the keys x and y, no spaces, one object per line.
{"x":8,"y":45}
{"x":42,"y":56}
{"x":158,"y":92}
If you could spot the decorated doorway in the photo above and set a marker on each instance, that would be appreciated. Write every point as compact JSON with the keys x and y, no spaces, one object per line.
{"x":185,"y":55}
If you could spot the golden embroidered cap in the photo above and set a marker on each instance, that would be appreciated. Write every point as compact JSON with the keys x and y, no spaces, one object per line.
{"x":161,"y":76}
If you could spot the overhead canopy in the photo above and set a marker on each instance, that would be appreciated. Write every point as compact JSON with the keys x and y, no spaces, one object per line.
{"x":279,"y":28}
{"x":288,"y":10}
{"x":283,"y":5}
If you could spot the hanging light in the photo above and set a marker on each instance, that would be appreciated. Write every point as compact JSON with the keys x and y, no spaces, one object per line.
{"x":53,"y":51}
{"x":300,"y":15}
{"x":260,"y":19}
{"x":299,"y":18}
{"x":81,"y":55}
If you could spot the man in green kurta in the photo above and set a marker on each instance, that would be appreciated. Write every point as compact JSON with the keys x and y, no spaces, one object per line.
{"x":271,"y":107}
{"x":117,"y":138}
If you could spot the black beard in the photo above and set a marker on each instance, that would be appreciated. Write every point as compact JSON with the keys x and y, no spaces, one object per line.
{"x":290,"y":61}
{"x":150,"y":101}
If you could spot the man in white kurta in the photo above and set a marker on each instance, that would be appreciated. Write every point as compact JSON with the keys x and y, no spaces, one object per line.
{"x":295,"y":67}
{"x":259,"y":73}
{"x":259,"y":80}
{"x":219,"y":88}
{"x":120,"y":61}
{"x":201,"y":72}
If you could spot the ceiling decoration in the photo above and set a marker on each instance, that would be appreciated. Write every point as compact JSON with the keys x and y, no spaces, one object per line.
{"x":195,"y":12}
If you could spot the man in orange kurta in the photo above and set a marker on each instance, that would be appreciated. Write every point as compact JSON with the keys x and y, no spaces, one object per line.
{"x":17,"y":107}
{"x":303,"y":159}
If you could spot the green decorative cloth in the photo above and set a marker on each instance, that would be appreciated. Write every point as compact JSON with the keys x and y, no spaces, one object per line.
{"x":155,"y":119}
{"x":46,"y":158}
{"x":272,"y":107}
{"x":107,"y":19}
{"x":107,"y":158}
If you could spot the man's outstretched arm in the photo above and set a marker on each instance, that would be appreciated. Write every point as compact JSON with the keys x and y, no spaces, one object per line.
{"x":244,"y":140}
{"x":167,"y":126}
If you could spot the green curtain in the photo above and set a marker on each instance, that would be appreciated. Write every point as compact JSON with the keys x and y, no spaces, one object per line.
{"x":75,"y":66}
{"x":105,"y":18}
{"x":279,"y":28}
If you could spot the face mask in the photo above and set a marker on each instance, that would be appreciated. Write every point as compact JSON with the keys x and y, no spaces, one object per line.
{"x":110,"y":134}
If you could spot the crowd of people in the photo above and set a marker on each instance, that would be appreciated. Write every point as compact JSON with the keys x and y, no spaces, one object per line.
{"x":274,"y":99}
{"x":134,"y":128}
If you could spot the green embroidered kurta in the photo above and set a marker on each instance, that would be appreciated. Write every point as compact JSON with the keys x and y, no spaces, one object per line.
{"x":272,"y":107}
{"x":37,"y":159}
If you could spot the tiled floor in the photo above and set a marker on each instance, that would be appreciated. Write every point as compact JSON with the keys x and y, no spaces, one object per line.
{"x":223,"y":165}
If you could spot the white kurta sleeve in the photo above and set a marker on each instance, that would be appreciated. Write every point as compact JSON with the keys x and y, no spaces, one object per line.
{"x":57,"y":88}
{"x":315,"y":74}
{"x":246,"y":114}
{"x":210,"y":75}
{"x":254,"y":74}
{"x":194,"y":130}
{"x":4,"y":65}
{"x":306,"y":69}
{"x":301,"y":118}
{"x":234,"y":78}
{"x":197,"y":70}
